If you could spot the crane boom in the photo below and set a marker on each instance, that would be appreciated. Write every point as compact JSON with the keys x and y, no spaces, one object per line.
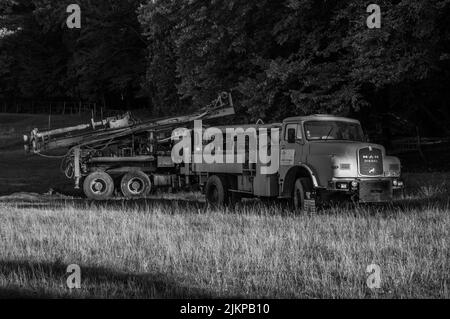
{"x":119,"y":127}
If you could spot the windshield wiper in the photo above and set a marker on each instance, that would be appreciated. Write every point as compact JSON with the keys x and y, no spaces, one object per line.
{"x":328,"y":135}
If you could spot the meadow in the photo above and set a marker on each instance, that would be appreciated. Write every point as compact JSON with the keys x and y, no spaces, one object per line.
{"x":166,"y":248}
{"x":172,"y":246}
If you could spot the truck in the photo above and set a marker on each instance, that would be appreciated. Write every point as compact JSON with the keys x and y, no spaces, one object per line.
{"x":320,"y":157}
{"x":317,"y":156}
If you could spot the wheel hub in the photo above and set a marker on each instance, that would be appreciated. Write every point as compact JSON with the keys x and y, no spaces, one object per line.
{"x":215,"y":195}
{"x":98,"y":186}
{"x":136,"y":185}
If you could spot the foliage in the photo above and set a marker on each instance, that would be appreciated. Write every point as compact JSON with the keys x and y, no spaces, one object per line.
{"x":279,"y":58}
{"x":301,"y":56}
{"x":102,"y":60}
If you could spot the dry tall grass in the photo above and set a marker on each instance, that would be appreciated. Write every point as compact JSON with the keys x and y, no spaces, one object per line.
{"x":145,"y":249}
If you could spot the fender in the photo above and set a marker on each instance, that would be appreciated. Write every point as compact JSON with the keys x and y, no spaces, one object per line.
{"x":301,"y":170}
{"x":312,"y":175}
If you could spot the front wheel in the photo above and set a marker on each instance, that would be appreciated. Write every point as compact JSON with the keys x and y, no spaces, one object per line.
{"x":98,"y":185}
{"x":298,"y":197}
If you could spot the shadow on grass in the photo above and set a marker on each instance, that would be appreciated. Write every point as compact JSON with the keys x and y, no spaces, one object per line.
{"x":96,"y":282}
{"x":397,"y":206}
{"x":114,"y":204}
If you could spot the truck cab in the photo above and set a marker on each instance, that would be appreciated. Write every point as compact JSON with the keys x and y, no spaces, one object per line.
{"x":323,"y":154}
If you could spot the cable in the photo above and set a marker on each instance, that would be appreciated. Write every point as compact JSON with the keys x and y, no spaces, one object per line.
{"x":51,"y":156}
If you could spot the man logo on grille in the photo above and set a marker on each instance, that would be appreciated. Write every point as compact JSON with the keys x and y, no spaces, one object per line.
{"x":372,"y":171}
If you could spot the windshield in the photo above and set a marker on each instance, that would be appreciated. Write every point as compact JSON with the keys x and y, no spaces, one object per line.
{"x":333,"y":130}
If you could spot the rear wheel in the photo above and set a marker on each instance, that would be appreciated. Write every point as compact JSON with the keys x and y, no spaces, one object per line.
{"x":98,"y":185}
{"x":216,"y":191}
{"x":135,"y":184}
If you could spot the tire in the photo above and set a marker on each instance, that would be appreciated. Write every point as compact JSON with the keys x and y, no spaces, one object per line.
{"x":98,"y":186}
{"x":135,"y":184}
{"x":301,"y":186}
{"x":216,"y":191}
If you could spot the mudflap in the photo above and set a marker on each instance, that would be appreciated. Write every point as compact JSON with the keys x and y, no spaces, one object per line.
{"x":310,"y":203}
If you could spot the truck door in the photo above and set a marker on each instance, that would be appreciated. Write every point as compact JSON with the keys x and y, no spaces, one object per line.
{"x":291,"y":147}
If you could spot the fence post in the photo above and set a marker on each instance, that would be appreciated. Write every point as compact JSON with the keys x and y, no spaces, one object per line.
{"x":419,"y":147}
{"x":50,"y":117}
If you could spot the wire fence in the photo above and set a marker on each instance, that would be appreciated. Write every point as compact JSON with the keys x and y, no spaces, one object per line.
{"x":58,"y":108}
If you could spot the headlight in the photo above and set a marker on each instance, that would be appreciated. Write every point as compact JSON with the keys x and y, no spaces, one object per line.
{"x":394,"y":170}
{"x":397,"y":183}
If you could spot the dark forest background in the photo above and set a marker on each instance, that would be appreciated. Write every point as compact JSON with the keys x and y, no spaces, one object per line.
{"x":278,"y":58}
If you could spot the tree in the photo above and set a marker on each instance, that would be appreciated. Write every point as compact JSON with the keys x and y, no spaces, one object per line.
{"x":405,"y":64}
{"x":304,"y":56}
{"x":102,"y":61}
{"x":158,"y":20}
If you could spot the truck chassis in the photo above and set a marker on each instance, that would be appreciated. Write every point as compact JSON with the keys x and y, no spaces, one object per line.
{"x":122,"y":156}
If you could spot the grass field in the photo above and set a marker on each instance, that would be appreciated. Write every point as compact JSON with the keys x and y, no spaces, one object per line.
{"x":174,"y":247}
{"x":166,"y":249}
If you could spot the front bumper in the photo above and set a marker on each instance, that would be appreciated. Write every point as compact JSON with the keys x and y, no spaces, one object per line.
{"x":367,"y":190}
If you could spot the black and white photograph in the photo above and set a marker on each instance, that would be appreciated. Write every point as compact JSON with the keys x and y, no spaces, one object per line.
{"x":224,"y":154}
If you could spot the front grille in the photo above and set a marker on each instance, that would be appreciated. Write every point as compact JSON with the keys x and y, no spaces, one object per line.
{"x":370,"y":161}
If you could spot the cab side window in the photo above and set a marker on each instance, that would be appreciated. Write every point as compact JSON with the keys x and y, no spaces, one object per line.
{"x":293,"y":133}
